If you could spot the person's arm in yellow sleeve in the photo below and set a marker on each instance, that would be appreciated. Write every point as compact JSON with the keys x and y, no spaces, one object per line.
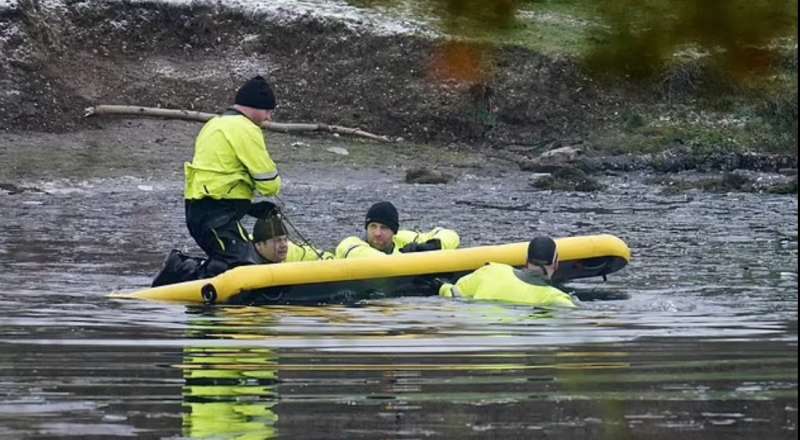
{"x":465,"y":287}
{"x":447,"y":290}
{"x":306,"y":253}
{"x":354,"y":247}
{"x":435,"y":239}
{"x":468,"y":285}
{"x":447,"y":237}
{"x":251,"y":150}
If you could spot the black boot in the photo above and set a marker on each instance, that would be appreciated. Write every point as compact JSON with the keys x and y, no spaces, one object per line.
{"x":178,"y":267}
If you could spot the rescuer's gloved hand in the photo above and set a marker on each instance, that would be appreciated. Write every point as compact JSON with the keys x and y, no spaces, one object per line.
{"x":428,"y":286}
{"x":430,"y":245}
{"x":262,"y":209}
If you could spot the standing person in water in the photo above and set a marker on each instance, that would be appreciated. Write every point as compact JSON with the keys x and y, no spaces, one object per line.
{"x":383,"y":236}
{"x":501,"y":282}
{"x":231,"y":165}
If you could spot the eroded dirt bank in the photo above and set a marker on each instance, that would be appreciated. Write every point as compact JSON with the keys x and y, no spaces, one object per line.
{"x":60,"y":58}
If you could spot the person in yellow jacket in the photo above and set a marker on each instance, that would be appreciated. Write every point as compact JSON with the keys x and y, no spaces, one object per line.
{"x":269,"y":244}
{"x":383,"y":236}
{"x":501,"y":282}
{"x":230,"y":167}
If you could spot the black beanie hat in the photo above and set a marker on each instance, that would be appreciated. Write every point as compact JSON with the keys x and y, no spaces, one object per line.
{"x":384,"y":213}
{"x":256,"y":93}
{"x":542,"y":251}
{"x":269,"y":227}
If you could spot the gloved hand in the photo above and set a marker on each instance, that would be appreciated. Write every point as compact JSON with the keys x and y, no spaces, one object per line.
{"x":427,"y":285}
{"x":430,"y":245}
{"x":262,"y":209}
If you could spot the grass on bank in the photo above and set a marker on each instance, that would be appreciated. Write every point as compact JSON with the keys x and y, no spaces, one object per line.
{"x":697,"y":99}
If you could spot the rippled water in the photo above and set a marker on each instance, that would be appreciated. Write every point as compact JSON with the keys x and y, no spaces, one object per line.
{"x":704,"y":346}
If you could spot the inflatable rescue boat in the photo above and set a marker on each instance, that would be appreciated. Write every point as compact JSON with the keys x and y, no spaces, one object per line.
{"x":349,"y":280}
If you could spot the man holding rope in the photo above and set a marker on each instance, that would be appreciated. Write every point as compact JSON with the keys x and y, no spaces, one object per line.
{"x":230,"y":166}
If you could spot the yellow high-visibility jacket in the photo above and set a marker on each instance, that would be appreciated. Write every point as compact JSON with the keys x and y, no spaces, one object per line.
{"x":356,"y":247}
{"x":230,"y":161}
{"x":296,"y":253}
{"x":306,"y":253}
{"x":499,"y":282}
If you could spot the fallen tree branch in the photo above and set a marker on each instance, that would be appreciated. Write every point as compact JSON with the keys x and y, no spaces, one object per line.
{"x":523,"y":207}
{"x":191,"y":115}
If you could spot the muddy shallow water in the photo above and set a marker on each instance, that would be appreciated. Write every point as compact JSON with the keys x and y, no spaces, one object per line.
{"x":703,"y":346}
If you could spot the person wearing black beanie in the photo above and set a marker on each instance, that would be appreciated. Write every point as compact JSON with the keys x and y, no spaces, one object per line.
{"x":270,"y":239}
{"x":384,"y":213}
{"x":542,"y":253}
{"x":256,"y":93}
{"x":501,"y":282}
{"x":384,"y":236}
{"x":230,"y":167}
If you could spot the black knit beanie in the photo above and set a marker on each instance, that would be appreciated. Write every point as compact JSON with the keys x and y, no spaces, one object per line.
{"x":541,"y":251}
{"x":384,"y":213}
{"x":270,"y":227}
{"x":256,"y":93}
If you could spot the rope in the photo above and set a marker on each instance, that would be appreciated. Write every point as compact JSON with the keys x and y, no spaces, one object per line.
{"x":303,"y":239}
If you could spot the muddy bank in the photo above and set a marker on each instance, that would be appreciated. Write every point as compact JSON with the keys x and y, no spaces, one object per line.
{"x":194,"y":56}
{"x":62,"y":57}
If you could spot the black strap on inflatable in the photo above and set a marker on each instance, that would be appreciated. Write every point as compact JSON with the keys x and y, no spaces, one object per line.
{"x":209,"y":293}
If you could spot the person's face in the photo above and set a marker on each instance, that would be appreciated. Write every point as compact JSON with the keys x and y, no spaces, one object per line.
{"x":549,"y":269}
{"x":379,"y":236}
{"x":275,"y":249}
{"x":263,"y":115}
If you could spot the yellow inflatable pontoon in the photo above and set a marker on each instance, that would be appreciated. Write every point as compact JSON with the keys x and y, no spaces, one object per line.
{"x":337,"y":281}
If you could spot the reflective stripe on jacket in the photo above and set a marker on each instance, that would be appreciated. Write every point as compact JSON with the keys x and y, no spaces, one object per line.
{"x":230,"y":161}
{"x":356,"y":247}
{"x":499,"y":282}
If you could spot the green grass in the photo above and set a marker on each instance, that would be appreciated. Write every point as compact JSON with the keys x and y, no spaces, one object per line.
{"x":723,"y":74}
{"x":748,"y":128}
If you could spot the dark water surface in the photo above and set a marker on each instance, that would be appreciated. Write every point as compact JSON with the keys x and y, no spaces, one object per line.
{"x":704,"y":346}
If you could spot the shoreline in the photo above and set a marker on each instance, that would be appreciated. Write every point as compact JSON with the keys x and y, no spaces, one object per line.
{"x":149,"y":147}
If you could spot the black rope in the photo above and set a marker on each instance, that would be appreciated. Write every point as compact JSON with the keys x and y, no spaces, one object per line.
{"x":303,"y":239}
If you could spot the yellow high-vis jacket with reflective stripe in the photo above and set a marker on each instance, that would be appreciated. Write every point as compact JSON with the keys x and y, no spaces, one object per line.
{"x":230,"y":162}
{"x":499,"y":282}
{"x":356,"y":247}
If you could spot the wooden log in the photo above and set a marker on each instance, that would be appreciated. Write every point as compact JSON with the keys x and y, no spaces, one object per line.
{"x":190,"y":115}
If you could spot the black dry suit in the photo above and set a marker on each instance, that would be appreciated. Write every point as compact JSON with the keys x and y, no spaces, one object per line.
{"x":215,"y":226}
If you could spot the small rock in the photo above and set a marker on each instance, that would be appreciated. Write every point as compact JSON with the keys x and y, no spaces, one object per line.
{"x":427,"y":176}
{"x":784,"y":187}
{"x":562,"y":154}
{"x":538,"y":166}
{"x":12,"y":189}
{"x":734,"y":182}
{"x":338,"y":150}
{"x":568,"y":179}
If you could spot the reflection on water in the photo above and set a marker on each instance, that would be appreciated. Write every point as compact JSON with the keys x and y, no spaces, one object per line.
{"x":697,"y":338}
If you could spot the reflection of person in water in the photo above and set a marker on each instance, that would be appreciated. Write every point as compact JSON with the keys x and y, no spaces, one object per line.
{"x":228,"y":391}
